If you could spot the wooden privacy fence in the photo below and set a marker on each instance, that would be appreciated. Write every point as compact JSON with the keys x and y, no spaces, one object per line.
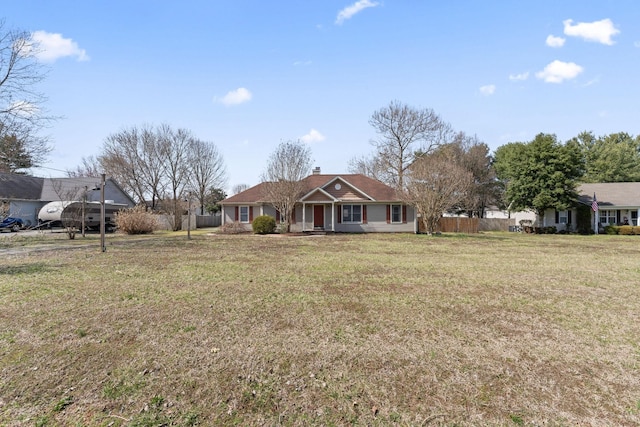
{"x":203,"y":221}
{"x":496,"y":224}
{"x":471,"y":225}
{"x":458,"y":225}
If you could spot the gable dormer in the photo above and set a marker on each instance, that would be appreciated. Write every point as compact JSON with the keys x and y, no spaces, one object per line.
{"x":342,"y":190}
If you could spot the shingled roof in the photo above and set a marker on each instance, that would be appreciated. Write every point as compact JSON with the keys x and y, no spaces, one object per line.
{"x":611,"y":194}
{"x":15,"y":186}
{"x":23,"y":187}
{"x":375,"y":189}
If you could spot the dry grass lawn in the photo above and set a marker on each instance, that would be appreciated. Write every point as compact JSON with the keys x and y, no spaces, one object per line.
{"x":495,"y":329}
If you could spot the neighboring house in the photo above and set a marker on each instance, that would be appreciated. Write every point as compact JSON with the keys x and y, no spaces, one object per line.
{"x":351,"y":203}
{"x":494,"y":212}
{"x":26,"y":195}
{"x":618,"y":203}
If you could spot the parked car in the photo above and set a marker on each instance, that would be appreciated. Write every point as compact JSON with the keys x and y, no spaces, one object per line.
{"x":12,"y":224}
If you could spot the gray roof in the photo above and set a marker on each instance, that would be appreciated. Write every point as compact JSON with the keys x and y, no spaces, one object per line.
{"x":611,"y":194}
{"x":22,"y":187}
{"x":67,"y":188}
{"x":14,"y":186}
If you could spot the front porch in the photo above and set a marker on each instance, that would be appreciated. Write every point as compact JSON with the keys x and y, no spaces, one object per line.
{"x":318,"y":217}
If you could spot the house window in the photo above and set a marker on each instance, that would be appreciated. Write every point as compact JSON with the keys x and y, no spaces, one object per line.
{"x":396,"y":213}
{"x":352,"y":213}
{"x":244,"y":213}
{"x":563,"y":217}
{"x":608,"y":217}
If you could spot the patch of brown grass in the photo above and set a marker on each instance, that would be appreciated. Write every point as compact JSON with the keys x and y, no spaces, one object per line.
{"x":496,"y":329}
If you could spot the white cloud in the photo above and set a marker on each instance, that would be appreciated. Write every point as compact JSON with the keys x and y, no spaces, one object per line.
{"x":349,"y":11}
{"x":235,"y":97}
{"x":558,"y":71}
{"x":301,"y":63}
{"x":592,"y":82}
{"x":519,"y":77}
{"x":597,"y":31}
{"x":636,"y":44}
{"x":312,"y":136}
{"x":554,"y":41}
{"x":52,"y":46}
{"x":488,"y":90}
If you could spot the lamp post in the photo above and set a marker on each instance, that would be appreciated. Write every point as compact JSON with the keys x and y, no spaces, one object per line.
{"x":103,"y":246}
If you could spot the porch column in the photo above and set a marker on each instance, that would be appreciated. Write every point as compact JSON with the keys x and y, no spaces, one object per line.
{"x":304,"y":215}
{"x":638,"y":218}
{"x":222,"y":210}
{"x":333,"y":217}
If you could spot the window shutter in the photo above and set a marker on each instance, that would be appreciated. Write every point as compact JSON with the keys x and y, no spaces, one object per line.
{"x":617,"y":217}
{"x":237,"y":217}
{"x":388,"y":214}
{"x":557,"y":217}
{"x":250,"y":213}
{"x":364,"y":214}
{"x":339,"y":209}
{"x":568,"y":217}
{"x":404,"y":214}
{"x":277,"y":216}
{"x":293,"y":215}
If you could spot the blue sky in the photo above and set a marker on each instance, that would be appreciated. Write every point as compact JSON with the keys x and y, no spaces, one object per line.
{"x":249,"y":74}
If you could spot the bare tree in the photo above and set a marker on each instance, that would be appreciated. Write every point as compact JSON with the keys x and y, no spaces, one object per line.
{"x":373,"y":167}
{"x":174,"y":148}
{"x":152,"y":163}
{"x":160,"y":164}
{"x":135,"y":158}
{"x":283,"y":185}
{"x":239,"y":188}
{"x":21,"y":106}
{"x":71,"y":215}
{"x":90,"y":168}
{"x":474,"y":155}
{"x":207,"y":170}
{"x":121,"y":158}
{"x":435,"y":184}
{"x":402,"y":131}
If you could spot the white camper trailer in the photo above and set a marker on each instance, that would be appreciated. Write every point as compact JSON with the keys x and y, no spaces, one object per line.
{"x":69,"y":214}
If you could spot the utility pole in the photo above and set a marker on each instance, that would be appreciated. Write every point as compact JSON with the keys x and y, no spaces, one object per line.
{"x":103,"y":246}
{"x":189,"y":216}
{"x":84,"y":202}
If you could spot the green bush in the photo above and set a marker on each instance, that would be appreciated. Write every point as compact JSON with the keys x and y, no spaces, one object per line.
{"x":136,"y":220}
{"x":611,"y":229}
{"x":264,"y":224}
{"x":629,"y":230}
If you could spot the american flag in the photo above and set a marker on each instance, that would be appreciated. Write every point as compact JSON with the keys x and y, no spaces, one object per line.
{"x":594,"y":204}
